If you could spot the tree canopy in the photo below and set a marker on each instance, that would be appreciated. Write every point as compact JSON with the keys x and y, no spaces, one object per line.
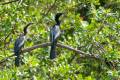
{"x":88,"y":48}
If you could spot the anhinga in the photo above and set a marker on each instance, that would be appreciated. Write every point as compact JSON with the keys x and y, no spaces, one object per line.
{"x":19,"y":43}
{"x":54,"y":34}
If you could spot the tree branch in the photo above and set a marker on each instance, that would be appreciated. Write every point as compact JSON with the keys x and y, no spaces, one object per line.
{"x":9,"y":2}
{"x":48,"y":44}
{"x":111,"y":4}
{"x":50,"y":7}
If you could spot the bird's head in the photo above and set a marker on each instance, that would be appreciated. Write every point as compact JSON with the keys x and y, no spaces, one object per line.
{"x":57,"y":17}
{"x":25,"y":28}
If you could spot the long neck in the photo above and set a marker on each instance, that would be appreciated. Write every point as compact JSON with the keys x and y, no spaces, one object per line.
{"x":57,"y":21}
{"x":21,"y":36}
{"x":25,"y":28}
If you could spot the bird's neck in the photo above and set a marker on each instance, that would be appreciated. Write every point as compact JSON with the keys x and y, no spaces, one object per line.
{"x":25,"y":28}
{"x":21,"y":35}
{"x":24,"y":33}
{"x":57,"y":21}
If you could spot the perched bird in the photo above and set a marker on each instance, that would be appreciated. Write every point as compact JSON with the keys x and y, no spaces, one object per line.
{"x":19,"y":43}
{"x":54,"y":34}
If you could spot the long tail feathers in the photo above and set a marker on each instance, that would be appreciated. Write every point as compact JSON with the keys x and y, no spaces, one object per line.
{"x":52,"y":51}
{"x":17,"y":60}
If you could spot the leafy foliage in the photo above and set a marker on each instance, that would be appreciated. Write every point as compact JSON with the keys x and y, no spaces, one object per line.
{"x":92,"y":26}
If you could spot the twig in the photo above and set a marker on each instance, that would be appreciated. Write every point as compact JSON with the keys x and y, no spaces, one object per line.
{"x":50,"y":8}
{"x":110,"y":4}
{"x":5,"y":59}
{"x":9,"y":2}
{"x":5,"y":42}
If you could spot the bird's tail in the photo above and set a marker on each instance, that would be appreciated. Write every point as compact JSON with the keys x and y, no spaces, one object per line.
{"x":52,"y":51}
{"x":17,"y":60}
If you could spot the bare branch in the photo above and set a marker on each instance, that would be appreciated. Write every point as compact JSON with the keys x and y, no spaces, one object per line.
{"x":50,"y":7}
{"x":5,"y":59}
{"x":111,"y":4}
{"x":9,"y":2}
{"x":48,"y":44}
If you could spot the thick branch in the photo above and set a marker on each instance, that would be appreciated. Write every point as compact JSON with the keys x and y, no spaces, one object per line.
{"x":35,"y":47}
{"x":48,"y":44}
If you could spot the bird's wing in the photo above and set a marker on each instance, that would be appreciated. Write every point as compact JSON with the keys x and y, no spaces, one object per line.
{"x":57,"y":32}
{"x":19,"y":44}
{"x":52,"y":35}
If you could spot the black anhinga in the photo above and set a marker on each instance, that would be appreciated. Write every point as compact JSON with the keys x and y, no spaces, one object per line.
{"x":19,"y":43}
{"x":54,"y":34}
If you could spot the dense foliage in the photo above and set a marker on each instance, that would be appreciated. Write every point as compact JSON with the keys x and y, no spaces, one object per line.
{"x":92,"y":26}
